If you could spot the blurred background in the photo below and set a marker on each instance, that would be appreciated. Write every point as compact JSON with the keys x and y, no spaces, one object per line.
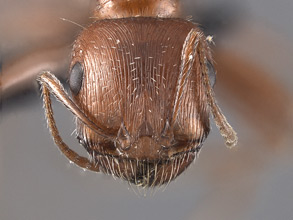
{"x":253,"y":55}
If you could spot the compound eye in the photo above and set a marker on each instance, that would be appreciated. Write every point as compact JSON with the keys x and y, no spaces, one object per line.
{"x":76,"y":77}
{"x":212,"y":73}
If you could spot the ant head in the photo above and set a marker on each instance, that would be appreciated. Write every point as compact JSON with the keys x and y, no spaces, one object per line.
{"x":142,"y":81}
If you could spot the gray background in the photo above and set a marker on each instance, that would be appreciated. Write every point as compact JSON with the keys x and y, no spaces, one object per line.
{"x":253,"y":181}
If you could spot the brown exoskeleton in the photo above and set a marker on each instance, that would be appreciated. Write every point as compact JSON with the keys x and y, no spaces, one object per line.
{"x":141,"y":81}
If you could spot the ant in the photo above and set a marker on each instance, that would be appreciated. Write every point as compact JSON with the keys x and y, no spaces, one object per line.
{"x":141,"y":80}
